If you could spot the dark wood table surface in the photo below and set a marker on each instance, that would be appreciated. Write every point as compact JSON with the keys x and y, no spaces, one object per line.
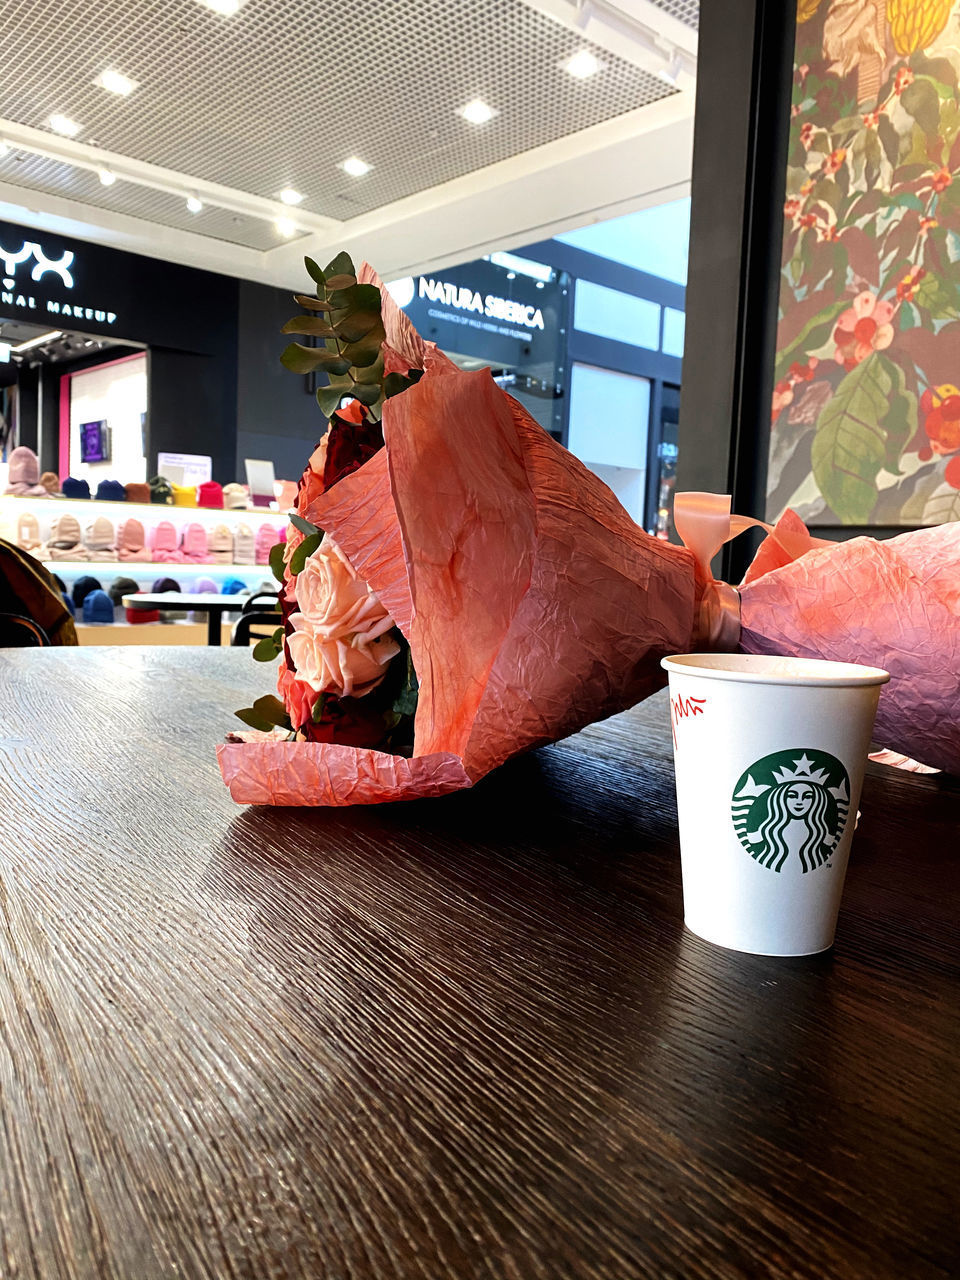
{"x":465,"y":1037}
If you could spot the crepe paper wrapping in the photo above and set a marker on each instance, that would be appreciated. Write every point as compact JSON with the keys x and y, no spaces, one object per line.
{"x":532,"y":602}
{"x":893,"y":604}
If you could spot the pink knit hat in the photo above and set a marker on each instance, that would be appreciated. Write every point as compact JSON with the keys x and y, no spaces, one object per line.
{"x":130,"y":541}
{"x":100,"y":539}
{"x":193,"y":546}
{"x":28,"y":535}
{"x":244,"y":546}
{"x":165,"y":545}
{"x":267,"y":538}
{"x":221,"y":545}
{"x":65,"y":539}
{"x":24,"y":476}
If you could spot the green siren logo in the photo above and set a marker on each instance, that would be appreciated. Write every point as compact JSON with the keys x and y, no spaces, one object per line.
{"x":792,"y":804}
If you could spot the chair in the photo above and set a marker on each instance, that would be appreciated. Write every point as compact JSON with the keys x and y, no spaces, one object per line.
{"x":256,"y":625}
{"x":18,"y":632}
{"x":261,"y":600}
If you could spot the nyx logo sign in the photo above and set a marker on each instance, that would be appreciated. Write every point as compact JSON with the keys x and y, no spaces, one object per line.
{"x":43,"y":264}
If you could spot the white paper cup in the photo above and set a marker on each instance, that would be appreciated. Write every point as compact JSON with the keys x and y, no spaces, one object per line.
{"x":769,"y":755}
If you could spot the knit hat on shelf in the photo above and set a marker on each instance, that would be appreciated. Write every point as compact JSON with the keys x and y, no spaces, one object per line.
{"x":51,"y":482}
{"x":82,"y":588}
{"x":165,"y":584}
{"x":138,"y":492}
{"x":233,"y":587}
{"x":100,"y":539}
{"x":165,"y":544}
{"x":130,"y":541}
{"x":206,"y":587}
{"x":23,"y":478}
{"x":142,"y":615}
{"x":28,"y":534}
{"x":221,"y":545}
{"x":244,"y":546}
{"x":267,"y":538}
{"x":184,"y":495}
{"x":209,"y":494}
{"x":98,"y":607}
{"x":65,"y":539}
{"x":161,"y":490}
{"x":111,"y":491}
{"x":235,"y":497}
{"x":193,"y":545}
{"x":121,"y":587}
{"x":69,"y":603}
{"x":75,"y":488}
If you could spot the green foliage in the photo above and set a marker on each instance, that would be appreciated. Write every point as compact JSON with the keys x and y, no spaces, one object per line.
{"x":306,"y":549}
{"x":276,"y":560}
{"x":305,"y":527}
{"x":850,"y":446}
{"x":345,"y":320}
{"x":267,"y":649}
{"x":266,"y":713}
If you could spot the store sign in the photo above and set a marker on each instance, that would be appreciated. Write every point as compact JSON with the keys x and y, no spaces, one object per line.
{"x":36,"y":264}
{"x":465,"y":298}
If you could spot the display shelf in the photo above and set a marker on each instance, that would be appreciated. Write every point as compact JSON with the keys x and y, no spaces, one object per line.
{"x":144,"y":568}
{"x":148,"y":513}
{"x":148,"y":633}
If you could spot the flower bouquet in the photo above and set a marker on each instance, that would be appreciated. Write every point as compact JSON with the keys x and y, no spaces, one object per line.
{"x":457,"y":588}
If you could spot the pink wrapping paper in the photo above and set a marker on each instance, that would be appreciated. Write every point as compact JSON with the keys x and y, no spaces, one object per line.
{"x":892,"y":604}
{"x":532,"y":603}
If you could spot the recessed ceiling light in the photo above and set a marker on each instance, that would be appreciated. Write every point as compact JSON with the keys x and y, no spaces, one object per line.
{"x":114,"y":82}
{"x":193,"y":204}
{"x":107,"y":177}
{"x":4,"y":147}
{"x":477,"y":111}
{"x":63,"y":124}
{"x":285,"y":227}
{"x":289,"y":196}
{"x":227,"y":7}
{"x":355,"y":166}
{"x":582,"y":65}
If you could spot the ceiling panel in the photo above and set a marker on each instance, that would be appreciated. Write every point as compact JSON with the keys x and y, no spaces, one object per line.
{"x":282,"y":91}
{"x":38,"y":174}
{"x":687,"y":11}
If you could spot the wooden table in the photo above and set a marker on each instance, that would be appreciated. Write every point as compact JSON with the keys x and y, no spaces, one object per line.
{"x":215,"y":605}
{"x":460,"y":1038}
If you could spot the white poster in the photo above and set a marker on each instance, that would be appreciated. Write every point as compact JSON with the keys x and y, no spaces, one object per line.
{"x":185,"y":468}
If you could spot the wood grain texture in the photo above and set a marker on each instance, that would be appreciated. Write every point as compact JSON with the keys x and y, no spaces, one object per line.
{"x":465,"y":1037}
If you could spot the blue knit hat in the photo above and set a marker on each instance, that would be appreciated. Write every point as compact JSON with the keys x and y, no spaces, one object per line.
{"x":69,"y":603}
{"x":98,"y":607}
{"x":233,"y":587}
{"x":75,"y":488}
{"x":111,"y":491}
{"x":83,"y":587}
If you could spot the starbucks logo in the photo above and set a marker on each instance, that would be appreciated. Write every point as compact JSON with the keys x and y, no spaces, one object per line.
{"x":792,"y":804}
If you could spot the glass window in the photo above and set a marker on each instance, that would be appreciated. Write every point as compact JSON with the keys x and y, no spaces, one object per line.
{"x":611,"y":314}
{"x":674,"y":324}
{"x":655,"y":240}
{"x":609,"y":417}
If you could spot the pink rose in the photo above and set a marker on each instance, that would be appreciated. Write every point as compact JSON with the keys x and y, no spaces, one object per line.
{"x":297,"y":697}
{"x":340,"y":642}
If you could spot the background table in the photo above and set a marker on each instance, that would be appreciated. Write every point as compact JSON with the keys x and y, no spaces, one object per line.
{"x":462,"y":1038}
{"x":213,"y":604}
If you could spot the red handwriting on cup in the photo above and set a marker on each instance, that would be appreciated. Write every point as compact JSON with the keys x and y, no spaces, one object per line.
{"x":683,"y":709}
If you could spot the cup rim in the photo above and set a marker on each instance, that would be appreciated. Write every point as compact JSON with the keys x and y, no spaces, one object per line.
{"x":759,"y":668}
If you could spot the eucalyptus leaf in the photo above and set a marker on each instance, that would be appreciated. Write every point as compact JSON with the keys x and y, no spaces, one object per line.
{"x":362,"y":354}
{"x":304,"y":526}
{"x":341,"y":282}
{"x":370,"y":373}
{"x":306,"y":549}
{"x":300,"y":359}
{"x":250,"y":717}
{"x":315,"y":272}
{"x":366,"y":393}
{"x":360,"y":324}
{"x":315,"y":325}
{"x":266,"y":649}
{"x":328,"y":398}
{"x":341,"y":265}
{"x":318,"y":708}
{"x":272,"y":710}
{"x":311,"y":304}
{"x":359,"y":297}
{"x":276,"y":560}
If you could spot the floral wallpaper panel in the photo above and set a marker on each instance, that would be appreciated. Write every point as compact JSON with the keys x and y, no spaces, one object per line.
{"x":866,"y":405}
